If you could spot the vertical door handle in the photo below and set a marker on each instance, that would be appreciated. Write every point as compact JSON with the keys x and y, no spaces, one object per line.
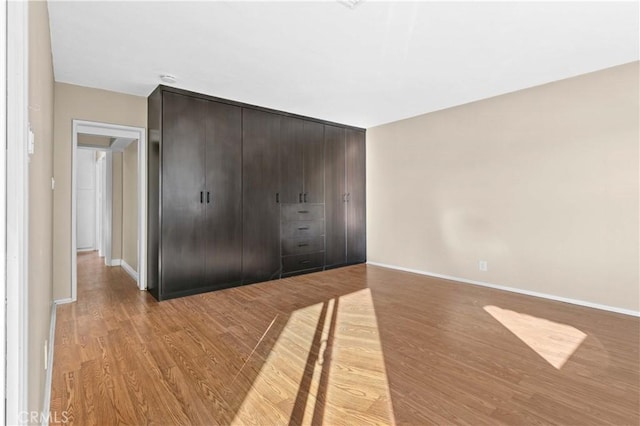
{"x":277,"y":197}
{"x":305,"y":197}
{"x":201,"y":195}
{"x":208,"y":197}
{"x":300,"y":197}
{"x":348,"y":197}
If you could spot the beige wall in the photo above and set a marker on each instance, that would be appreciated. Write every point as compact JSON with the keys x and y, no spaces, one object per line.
{"x":541,"y":183}
{"x":40,"y":197}
{"x":94,"y":140}
{"x":83,"y":103}
{"x":130,"y":205}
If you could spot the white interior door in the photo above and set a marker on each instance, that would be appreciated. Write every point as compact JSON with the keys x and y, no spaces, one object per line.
{"x":99,"y":202}
{"x":86,"y":200}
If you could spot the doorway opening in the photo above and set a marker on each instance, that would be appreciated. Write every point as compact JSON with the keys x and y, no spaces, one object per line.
{"x":109,"y":197}
{"x":91,"y":200}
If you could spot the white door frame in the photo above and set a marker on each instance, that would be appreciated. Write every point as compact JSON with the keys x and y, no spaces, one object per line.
{"x":97,"y":201}
{"x":14,"y":190}
{"x":115,"y":131}
{"x":3,"y":213}
{"x":103,"y":194}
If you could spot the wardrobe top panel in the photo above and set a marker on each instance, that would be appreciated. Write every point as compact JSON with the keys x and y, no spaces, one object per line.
{"x":164,"y":88}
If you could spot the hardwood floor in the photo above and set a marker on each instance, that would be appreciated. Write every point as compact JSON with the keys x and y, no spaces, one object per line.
{"x":356,"y":345}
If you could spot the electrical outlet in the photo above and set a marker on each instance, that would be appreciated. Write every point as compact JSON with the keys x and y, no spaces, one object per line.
{"x":483,"y":265}
{"x":46,"y":354}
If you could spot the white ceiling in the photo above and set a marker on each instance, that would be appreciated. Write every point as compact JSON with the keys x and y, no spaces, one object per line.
{"x":373,"y":64}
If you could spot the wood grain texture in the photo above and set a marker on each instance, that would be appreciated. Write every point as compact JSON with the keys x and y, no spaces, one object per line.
{"x":260,"y":186}
{"x":335,"y":193}
{"x":356,"y":345}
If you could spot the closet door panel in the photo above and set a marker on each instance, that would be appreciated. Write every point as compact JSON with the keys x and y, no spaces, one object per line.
{"x":183,"y":154}
{"x":334,"y":195}
{"x":291,"y":148}
{"x":356,"y":192}
{"x":154,"y":120}
{"x":223,"y":196}
{"x":313,"y":161}
{"x":261,"y":212}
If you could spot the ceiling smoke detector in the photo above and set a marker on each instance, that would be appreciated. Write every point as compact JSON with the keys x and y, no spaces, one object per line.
{"x":351,"y":4}
{"x":168,"y":78}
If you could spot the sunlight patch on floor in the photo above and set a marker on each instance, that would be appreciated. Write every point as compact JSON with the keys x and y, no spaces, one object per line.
{"x":553,"y":341}
{"x":326,"y":367}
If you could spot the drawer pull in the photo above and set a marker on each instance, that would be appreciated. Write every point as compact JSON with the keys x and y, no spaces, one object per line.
{"x":303,"y":211}
{"x":303,"y":228}
{"x":304,"y":262}
{"x":303,"y":245}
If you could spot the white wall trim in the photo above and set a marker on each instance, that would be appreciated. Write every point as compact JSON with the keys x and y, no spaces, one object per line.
{"x":106,"y":129}
{"x":3,"y":212}
{"x":63,"y":301}
{"x":118,"y":131}
{"x":107,"y":211}
{"x":513,"y":290}
{"x":115,"y":262}
{"x":142,"y":210}
{"x":102,"y":173}
{"x":129,"y":270}
{"x":97,"y":236}
{"x":46,"y":403}
{"x":17,"y":211}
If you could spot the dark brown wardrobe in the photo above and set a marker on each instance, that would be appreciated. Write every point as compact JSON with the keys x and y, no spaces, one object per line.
{"x":302,"y":213}
{"x":200,"y":240}
{"x":345,"y":197}
{"x":239,"y":194}
{"x":261,"y":180}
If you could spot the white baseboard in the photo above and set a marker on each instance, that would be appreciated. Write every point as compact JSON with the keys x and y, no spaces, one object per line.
{"x":63,"y":301}
{"x":129,"y":270}
{"x":116,"y":262}
{"x":46,"y":404}
{"x":514,"y":290}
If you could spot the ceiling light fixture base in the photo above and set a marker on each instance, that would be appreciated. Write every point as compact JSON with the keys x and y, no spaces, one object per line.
{"x":168,"y":78}
{"x":351,"y":4}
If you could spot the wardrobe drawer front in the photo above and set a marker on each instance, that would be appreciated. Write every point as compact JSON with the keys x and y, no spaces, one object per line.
{"x":302,"y":261}
{"x":302,"y":212}
{"x":302,"y":245}
{"x":302,"y":229}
